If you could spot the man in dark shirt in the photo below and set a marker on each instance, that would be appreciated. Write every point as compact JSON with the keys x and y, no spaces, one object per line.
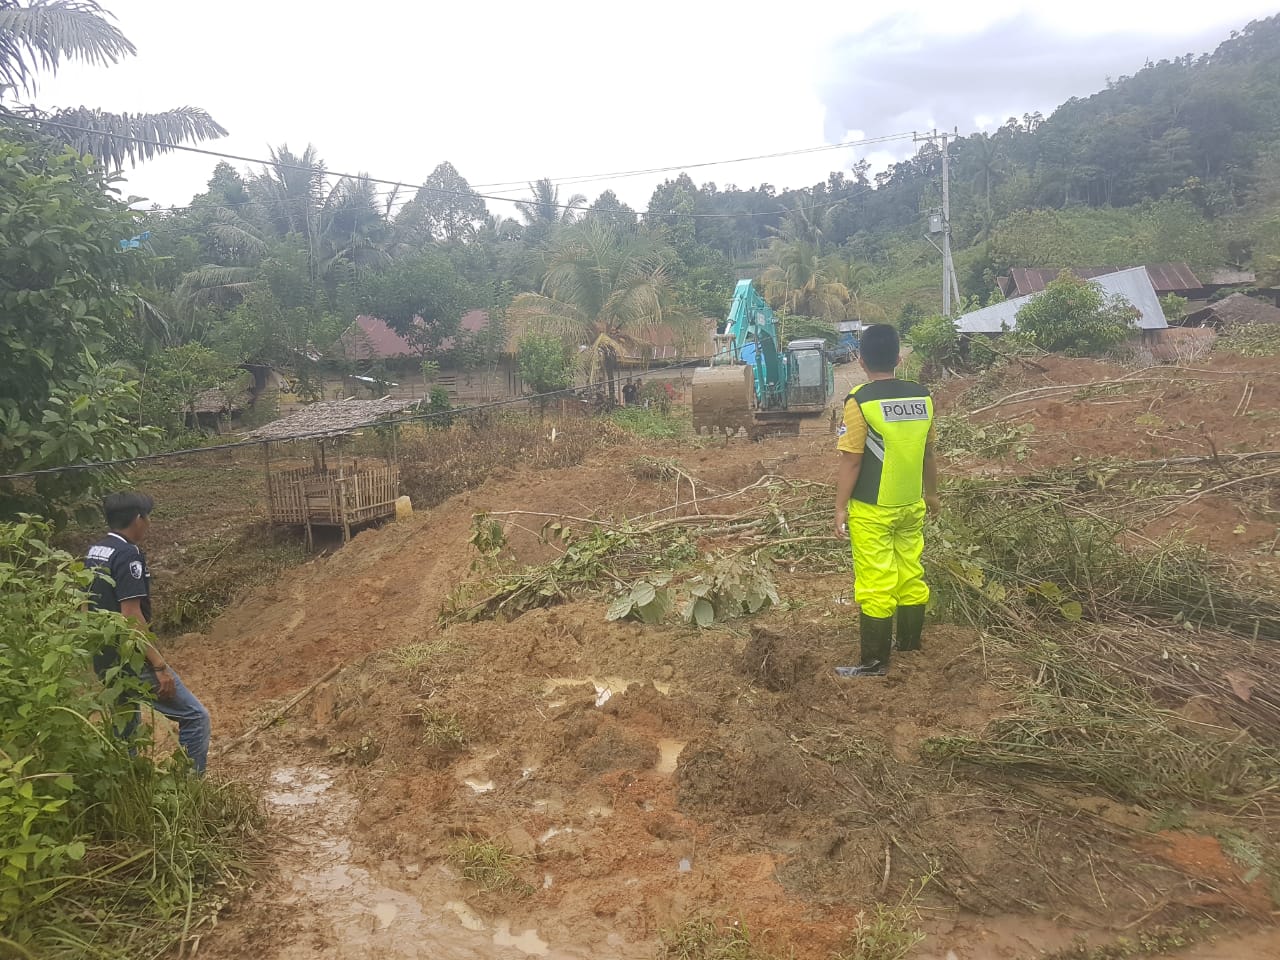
{"x":123,"y":585}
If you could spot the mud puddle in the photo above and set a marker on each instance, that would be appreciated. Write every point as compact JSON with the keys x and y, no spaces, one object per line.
{"x":347,"y":910}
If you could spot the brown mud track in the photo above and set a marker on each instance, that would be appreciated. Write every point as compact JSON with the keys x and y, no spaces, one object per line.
{"x":648,"y":774}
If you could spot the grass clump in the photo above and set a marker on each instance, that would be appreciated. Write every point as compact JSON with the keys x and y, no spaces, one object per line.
{"x":105,"y":855}
{"x":489,"y":864}
{"x":890,"y":931}
{"x":707,"y":940}
{"x":1105,"y":643}
{"x":415,"y":657}
{"x":443,"y":731}
{"x":651,"y":423}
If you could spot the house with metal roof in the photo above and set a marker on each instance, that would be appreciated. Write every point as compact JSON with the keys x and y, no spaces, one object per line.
{"x":1133,"y":284}
{"x":1166,"y":278}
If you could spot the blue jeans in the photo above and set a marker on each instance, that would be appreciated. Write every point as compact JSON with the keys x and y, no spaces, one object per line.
{"x":189,"y":713}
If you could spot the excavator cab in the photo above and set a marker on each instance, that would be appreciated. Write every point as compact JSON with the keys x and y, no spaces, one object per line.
{"x":812,"y":378}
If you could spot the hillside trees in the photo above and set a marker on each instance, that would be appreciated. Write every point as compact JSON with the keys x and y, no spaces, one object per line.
{"x":604,"y":287}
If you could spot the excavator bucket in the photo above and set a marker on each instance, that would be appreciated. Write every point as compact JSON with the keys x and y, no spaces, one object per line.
{"x":723,"y":400}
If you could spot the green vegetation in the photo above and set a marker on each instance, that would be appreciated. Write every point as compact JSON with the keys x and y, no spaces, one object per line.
{"x":106,"y":855}
{"x":707,"y":940}
{"x":605,"y":287}
{"x":63,"y":293}
{"x":890,"y":932}
{"x":1251,"y":340}
{"x":545,"y":364}
{"x":1093,"y":623}
{"x":1075,"y":317}
{"x":39,"y":37}
{"x":935,"y":340}
{"x":489,"y":864}
{"x":651,"y":423}
{"x":443,"y":731}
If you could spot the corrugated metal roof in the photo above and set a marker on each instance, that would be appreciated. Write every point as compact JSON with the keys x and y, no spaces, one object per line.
{"x":1165,"y":278}
{"x":1134,"y":285}
{"x":1227,"y":277}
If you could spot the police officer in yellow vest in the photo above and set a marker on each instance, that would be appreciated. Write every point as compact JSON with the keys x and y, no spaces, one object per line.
{"x":888,"y":479}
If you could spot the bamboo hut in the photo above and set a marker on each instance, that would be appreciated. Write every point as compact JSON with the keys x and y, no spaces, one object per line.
{"x":334,"y":490}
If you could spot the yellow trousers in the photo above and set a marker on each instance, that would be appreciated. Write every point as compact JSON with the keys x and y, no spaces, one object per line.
{"x":887,"y":544}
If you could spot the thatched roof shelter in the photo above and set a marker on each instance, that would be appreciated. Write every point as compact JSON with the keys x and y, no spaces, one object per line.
{"x":1234,"y":310}
{"x":331,"y":418}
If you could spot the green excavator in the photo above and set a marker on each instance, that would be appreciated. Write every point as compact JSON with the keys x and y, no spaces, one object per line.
{"x":754,"y":384}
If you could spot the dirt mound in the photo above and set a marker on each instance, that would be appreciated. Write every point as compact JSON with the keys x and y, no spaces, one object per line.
{"x":770,"y":662}
{"x":1224,"y":404}
{"x":755,"y":770}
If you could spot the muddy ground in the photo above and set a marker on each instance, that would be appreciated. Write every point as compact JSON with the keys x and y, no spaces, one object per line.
{"x":647,"y":774}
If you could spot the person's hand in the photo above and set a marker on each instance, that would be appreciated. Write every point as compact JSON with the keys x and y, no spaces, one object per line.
{"x":165,"y":687}
{"x":933,"y":505}
{"x":842,"y":525}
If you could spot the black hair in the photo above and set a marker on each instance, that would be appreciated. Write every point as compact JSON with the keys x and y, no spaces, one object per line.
{"x":121,"y":509}
{"x":879,"y":347}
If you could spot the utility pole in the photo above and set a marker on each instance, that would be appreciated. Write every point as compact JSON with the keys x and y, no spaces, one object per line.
{"x":940,"y":223}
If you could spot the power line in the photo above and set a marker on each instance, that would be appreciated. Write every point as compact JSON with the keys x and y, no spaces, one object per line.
{"x":62,"y":125}
{"x":618,"y":174}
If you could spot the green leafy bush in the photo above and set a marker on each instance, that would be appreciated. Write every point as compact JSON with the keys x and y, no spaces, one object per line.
{"x":935,"y":340}
{"x":104,"y":854}
{"x":545,"y":364}
{"x":1075,"y":317}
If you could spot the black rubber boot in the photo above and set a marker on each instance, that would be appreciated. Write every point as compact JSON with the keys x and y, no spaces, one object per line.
{"x":874,"y":641}
{"x":910,"y":626}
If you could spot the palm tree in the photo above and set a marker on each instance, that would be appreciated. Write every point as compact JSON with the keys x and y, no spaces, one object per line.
{"x":988,"y":163}
{"x":544,"y":210}
{"x":854,"y":276}
{"x":38,"y":35}
{"x":799,"y":280}
{"x":606,"y":289}
{"x":353,"y":230}
{"x":290,"y":190}
{"x":803,"y":223}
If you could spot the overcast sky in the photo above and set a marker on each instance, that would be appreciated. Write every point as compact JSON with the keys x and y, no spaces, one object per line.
{"x":509,"y":92}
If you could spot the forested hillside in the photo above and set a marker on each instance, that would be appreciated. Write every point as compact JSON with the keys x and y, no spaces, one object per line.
{"x":1173,"y":163}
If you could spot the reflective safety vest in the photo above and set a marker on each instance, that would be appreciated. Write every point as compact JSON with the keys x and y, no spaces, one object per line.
{"x":899,"y":414}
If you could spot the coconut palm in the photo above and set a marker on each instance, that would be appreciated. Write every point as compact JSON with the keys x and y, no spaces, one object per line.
{"x":38,"y":35}
{"x":799,"y":280}
{"x":605,"y":289}
{"x":352,"y":230}
{"x":545,"y":210}
{"x":854,"y":276}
